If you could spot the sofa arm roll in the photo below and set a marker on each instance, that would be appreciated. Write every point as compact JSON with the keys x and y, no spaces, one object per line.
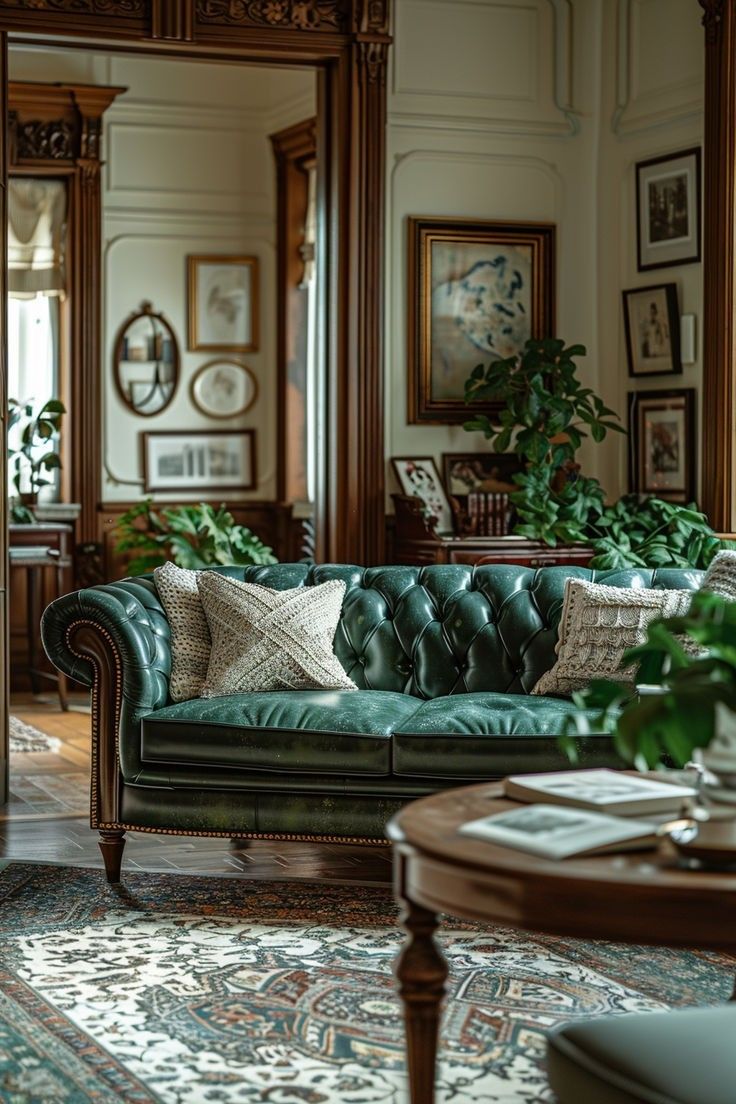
{"x":129,"y":621}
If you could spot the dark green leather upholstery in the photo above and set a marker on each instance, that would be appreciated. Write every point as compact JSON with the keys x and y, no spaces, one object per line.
{"x":444,"y":656}
{"x":682,"y":1057}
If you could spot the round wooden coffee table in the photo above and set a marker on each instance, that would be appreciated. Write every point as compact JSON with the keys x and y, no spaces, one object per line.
{"x":636,"y":897}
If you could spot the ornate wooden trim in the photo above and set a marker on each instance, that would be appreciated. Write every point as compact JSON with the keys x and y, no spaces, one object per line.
{"x":295,"y":152}
{"x":173,"y":19}
{"x":298,"y":15}
{"x":719,"y":241}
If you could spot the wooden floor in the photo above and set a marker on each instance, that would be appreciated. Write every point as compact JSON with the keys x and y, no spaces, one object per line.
{"x":46,"y":820}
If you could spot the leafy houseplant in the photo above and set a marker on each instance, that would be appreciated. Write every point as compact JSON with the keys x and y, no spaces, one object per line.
{"x":192,"y":536}
{"x":26,"y":459}
{"x":545,"y":415}
{"x":696,"y":689}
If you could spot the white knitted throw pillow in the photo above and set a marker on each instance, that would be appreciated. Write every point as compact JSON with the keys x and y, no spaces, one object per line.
{"x":264,"y":639}
{"x":598,"y":624}
{"x":720,"y":578}
{"x":190,"y":634}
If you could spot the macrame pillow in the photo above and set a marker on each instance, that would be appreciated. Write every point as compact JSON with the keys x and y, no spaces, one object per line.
{"x":598,"y":624}
{"x":190,"y":634}
{"x":264,"y":639}
{"x":720,"y":578}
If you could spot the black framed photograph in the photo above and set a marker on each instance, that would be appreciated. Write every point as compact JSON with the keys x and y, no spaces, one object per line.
{"x":480,"y":472}
{"x":477,"y":292}
{"x":418,"y":477}
{"x":668,"y":210}
{"x":199,"y":460}
{"x":652,"y":322}
{"x":662,"y":443}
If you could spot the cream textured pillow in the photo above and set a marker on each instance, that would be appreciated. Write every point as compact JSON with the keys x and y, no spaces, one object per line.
{"x":264,"y":639}
{"x":190,"y":634}
{"x":720,"y":578}
{"x":597,"y":626}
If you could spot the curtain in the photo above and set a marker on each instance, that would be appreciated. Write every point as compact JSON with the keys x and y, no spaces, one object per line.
{"x":36,"y":236}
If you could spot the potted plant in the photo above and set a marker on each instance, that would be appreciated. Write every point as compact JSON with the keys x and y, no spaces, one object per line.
{"x":544,"y":415}
{"x":30,"y":461}
{"x":192,"y":536}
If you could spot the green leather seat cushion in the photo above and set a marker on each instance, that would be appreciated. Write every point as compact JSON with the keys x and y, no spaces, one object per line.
{"x":479,"y":735}
{"x":682,"y":1057}
{"x":323,"y":731}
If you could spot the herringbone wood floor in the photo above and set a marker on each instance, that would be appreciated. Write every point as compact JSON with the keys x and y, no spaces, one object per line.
{"x":46,"y":820}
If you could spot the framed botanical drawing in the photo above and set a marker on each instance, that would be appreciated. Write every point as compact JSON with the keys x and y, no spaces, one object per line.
{"x":487,"y":472}
{"x":418,"y":477}
{"x":223,"y":388}
{"x":222,"y":303}
{"x":652,"y":324}
{"x":668,"y":210}
{"x":199,"y":460}
{"x":662,"y":443}
{"x":477,"y":292}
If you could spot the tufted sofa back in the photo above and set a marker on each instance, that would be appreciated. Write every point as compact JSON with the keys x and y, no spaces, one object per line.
{"x":451,"y":629}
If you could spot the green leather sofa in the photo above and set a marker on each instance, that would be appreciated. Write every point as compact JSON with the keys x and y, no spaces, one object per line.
{"x":444,"y":658}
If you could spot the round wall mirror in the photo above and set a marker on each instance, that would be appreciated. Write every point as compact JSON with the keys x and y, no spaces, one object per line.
{"x":146,"y":362}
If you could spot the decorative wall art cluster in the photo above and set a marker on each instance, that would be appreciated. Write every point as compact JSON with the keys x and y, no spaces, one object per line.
{"x":662,"y":438}
{"x":222,"y":314}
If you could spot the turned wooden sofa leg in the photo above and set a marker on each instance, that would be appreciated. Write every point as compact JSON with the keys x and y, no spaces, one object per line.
{"x":112,"y":845}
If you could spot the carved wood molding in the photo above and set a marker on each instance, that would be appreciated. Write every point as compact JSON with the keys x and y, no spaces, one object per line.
{"x":712,"y":18}
{"x":298,"y":15}
{"x":123,"y":9}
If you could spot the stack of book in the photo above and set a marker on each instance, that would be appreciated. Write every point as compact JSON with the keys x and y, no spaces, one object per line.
{"x":588,"y":812}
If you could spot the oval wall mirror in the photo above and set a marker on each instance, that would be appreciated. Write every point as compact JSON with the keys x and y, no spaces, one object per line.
{"x":146,"y":362}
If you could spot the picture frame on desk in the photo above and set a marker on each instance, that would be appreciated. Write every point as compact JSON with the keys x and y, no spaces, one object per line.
{"x":488,"y":472}
{"x":418,"y":477}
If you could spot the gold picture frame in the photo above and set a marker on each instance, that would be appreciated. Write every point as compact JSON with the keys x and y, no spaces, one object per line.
{"x":222,"y":303}
{"x":472,"y":269}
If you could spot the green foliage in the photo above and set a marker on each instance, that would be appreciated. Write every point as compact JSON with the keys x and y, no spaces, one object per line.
{"x":38,"y":429}
{"x":546,"y":414}
{"x":193,"y":536}
{"x":694,"y":685}
{"x":652,"y":533}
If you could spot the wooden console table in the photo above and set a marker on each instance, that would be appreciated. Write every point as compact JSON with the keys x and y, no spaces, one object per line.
{"x":416,"y":543}
{"x":40,"y":550}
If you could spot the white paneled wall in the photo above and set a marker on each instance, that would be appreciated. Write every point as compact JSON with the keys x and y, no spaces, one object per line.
{"x":189,"y":169}
{"x":538,"y":110}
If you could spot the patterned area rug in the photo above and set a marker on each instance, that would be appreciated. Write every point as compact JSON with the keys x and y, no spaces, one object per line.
{"x":190,"y":990}
{"x":24,"y":737}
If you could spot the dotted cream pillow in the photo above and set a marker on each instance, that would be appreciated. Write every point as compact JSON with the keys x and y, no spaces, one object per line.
{"x":598,"y":624}
{"x":264,"y":639}
{"x":190,"y":634}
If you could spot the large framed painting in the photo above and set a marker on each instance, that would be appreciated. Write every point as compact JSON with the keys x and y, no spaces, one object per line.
{"x":662,"y":443}
{"x":199,"y":460}
{"x":477,"y":292}
{"x":222,"y":303}
{"x":668,"y":210}
{"x":652,"y":324}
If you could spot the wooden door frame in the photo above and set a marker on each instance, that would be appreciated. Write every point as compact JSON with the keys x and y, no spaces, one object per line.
{"x":347,"y":42}
{"x":719,"y":255}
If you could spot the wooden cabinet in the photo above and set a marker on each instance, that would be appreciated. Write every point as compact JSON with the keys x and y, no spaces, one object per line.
{"x":416,"y":543}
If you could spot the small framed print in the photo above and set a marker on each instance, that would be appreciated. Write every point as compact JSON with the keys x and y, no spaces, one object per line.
{"x":199,"y":460}
{"x":223,"y":388}
{"x":222,"y":303}
{"x":652,"y":323}
{"x":485,"y":472}
{"x":419,"y":478}
{"x":662,"y":443}
{"x":668,"y":210}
